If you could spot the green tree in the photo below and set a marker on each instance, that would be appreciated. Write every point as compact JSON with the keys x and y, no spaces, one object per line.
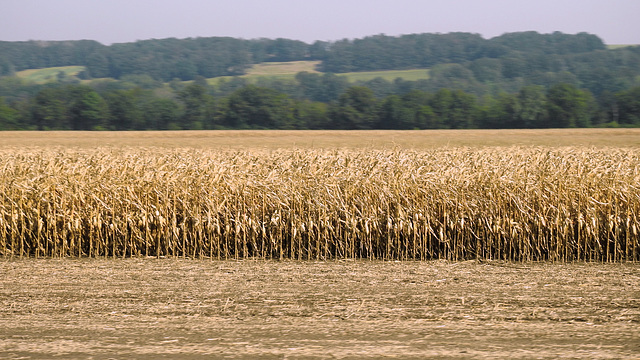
{"x":325,"y":87}
{"x":318,"y":50}
{"x":441,"y":103}
{"x":311,"y":86}
{"x":394,"y":114}
{"x":312,"y":114}
{"x":487,"y":70}
{"x":123,"y":111}
{"x":87,"y":109}
{"x":381,"y":88}
{"x":454,"y":109}
{"x":333,"y":86}
{"x":49,"y":110}
{"x":502,"y":112}
{"x":417,"y":102}
{"x":452,"y":76}
{"x":287,"y":50}
{"x":197,"y":107}
{"x":464,"y":111}
{"x":98,"y":65}
{"x":262,"y":108}
{"x":8,"y":117}
{"x":143,"y":81}
{"x":6,"y":67}
{"x":184,"y":70}
{"x":629,"y":106}
{"x":160,"y":114}
{"x":532,"y":107}
{"x":513,"y":67}
{"x":355,"y":109}
{"x":568,"y":106}
{"x":426,"y":118}
{"x":226,"y":87}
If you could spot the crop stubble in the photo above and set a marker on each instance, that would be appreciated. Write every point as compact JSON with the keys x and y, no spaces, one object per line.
{"x":146,"y":309}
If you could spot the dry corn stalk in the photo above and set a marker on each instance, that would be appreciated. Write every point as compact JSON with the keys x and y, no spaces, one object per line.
{"x":520,"y":203}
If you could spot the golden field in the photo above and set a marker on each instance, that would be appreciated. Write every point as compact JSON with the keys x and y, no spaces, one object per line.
{"x":564,"y":195}
{"x":324,"y":139}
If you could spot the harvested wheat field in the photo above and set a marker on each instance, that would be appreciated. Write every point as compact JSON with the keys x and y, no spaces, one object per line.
{"x":472,"y":244}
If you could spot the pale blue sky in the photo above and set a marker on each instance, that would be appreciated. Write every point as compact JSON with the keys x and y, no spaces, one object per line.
{"x":111,"y":21}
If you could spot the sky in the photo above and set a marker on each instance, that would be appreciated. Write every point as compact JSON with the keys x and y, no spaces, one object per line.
{"x":117,"y":21}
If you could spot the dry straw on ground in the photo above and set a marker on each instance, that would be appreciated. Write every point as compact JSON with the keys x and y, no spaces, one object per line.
{"x":511,"y":203}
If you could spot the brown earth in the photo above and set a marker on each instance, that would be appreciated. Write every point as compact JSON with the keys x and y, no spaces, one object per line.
{"x":322,"y":139}
{"x":174,"y":308}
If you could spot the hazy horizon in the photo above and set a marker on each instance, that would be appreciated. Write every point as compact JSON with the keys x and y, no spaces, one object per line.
{"x":119,"y":21}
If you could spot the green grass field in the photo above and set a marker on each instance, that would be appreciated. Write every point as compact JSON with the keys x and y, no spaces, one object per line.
{"x":288,"y":71}
{"x":389,"y":75}
{"x":282,"y":68}
{"x":270,"y":70}
{"x":45,"y":75}
{"x":273,"y":70}
{"x":619,"y":46}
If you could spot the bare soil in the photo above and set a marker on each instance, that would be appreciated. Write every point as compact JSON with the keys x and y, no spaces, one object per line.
{"x":180,"y":308}
{"x":322,"y":139}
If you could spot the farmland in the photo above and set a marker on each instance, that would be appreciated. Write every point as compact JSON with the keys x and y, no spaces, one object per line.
{"x":304,"y":244}
{"x":509,"y":203}
{"x":185,"y":309}
{"x":266,"y":70}
{"x":288,"y":70}
{"x":49,"y":74}
{"x":321,"y":139}
{"x":389,"y":75}
{"x":273,"y":70}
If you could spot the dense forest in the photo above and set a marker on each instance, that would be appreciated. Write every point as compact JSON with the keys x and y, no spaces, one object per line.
{"x":517,"y":80}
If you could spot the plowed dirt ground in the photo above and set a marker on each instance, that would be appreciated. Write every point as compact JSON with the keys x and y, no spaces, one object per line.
{"x":191,"y":309}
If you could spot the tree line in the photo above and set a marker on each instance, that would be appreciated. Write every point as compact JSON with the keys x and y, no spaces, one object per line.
{"x":162,"y":59}
{"x":318,"y":101}
{"x":517,"y":80}
{"x":458,"y":60}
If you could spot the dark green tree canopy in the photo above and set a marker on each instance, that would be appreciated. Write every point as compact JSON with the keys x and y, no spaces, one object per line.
{"x":516,"y":80}
{"x":259,"y":108}
{"x":568,"y":106}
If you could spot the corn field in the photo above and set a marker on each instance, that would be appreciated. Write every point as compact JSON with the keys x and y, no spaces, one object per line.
{"x":500,"y":203}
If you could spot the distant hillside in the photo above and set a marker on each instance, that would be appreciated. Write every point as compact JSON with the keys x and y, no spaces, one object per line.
{"x":618,"y":46}
{"x":51,"y":74}
{"x":456,"y":60}
{"x":217,"y":56}
{"x":270,"y":71}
